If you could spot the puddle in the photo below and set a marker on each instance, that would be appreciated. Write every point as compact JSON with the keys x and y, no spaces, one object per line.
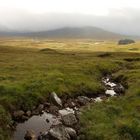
{"x":36,"y":123}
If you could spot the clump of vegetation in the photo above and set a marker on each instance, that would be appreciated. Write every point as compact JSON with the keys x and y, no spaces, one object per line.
{"x":134,"y":49}
{"x":5,"y":122}
{"x":48,"y":50}
{"x":132,"y":59}
{"x":126,"y":41}
{"x":107,"y":54}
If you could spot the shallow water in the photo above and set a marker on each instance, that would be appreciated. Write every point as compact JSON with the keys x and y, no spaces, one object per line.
{"x":37,"y":123}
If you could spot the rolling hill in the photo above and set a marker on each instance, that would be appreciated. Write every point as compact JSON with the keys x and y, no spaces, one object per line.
{"x":75,"y":32}
{"x":70,"y":33}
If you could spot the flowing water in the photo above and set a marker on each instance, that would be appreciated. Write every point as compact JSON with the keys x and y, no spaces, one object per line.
{"x":42,"y":123}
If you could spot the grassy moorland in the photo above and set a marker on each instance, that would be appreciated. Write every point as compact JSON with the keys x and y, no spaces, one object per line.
{"x":31,"y":69}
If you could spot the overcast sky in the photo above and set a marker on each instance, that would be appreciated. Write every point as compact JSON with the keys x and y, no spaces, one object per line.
{"x":122,"y":16}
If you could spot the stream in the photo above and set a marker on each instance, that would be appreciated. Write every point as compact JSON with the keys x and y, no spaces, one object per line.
{"x":47,"y":121}
{"x":37,"y":123}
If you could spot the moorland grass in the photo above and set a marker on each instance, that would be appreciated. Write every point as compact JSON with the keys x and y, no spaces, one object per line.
{"x":30,"y":70}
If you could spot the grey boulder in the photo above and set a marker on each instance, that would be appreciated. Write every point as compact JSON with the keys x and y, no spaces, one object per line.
{"x":68,"y":116}
{"x":55,"y":99}
{"x":58,"y":133}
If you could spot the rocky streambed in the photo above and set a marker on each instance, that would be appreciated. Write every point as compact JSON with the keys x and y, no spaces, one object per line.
{"x":59,"y":119}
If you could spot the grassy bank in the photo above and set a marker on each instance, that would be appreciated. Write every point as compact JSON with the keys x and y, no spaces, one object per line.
{"x":118,"y":119}
{"x":30,"y":70}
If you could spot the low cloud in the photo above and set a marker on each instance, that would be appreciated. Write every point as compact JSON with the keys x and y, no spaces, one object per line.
{"x":124,"y":21}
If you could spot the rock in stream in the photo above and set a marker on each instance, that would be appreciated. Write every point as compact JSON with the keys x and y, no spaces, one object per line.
{"x":60,"y":122}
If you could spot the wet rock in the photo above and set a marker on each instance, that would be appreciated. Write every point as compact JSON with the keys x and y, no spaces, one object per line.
{"x":30,"y":135}
{"x":24,"y":118}
{"x":47,"y":120}
{"x":43,"y":136}
{"x":55,"y":99}
{"x":110,"y":92}
{"x":105,"y":80}
{"x":110,"y":84}
{"x":119,"y":89}
{"x":58,"y":133}
{"x":18,"y":114}
{"x":76,"y":109}
{"x":35,"y":112}
{"x":78,"y":114}
{"x":46,"y":104}
{"x":71,"y":132}
{"x":28,"y":113}
{"x":68,"y":116}
{"x":53,"y":109}
{"x":70,"y":103}
{"x":83,"y":100}
{"x":46,"y":110}
{"x":98,"y":99}
{"x":40,"y":108}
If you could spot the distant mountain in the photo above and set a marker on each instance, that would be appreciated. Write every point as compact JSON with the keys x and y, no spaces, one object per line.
{"x":70,"y":33}
{"x":75,"y":32}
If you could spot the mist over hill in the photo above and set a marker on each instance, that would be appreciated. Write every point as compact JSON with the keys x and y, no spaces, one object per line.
{"x":76,"y":32}
{"x":87,"y":32}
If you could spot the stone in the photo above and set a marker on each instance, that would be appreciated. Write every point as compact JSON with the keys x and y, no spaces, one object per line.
{"x":30,"y":135}
{"x":119,"y":89}
{"x":58,"y":133}
{"x":53,"y":109}
{"x":110,"y":84}
{"x":110,"y":92}
{"x":28,"y":113}
{"x":18,"y":114}
{"x":46,"y":104}
{"x":98,"y":99}
{"x":71,"y":132}
{"x":68,"y":116}
{"x":43,"y":136}
{"x":24,"y":118}
{"x":83,"y":100}
{"x":55,"y":99}
{"x":35,"y":112}
{"x":40,"y":107}
{"x":70,"y":103}
{"x":78,"y":114}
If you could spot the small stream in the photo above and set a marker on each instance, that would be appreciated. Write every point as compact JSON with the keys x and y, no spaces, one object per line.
{"x":43,"y":123}
{"x":37,"y":123}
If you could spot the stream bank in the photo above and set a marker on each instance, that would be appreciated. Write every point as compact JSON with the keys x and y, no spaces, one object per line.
{"x":59,"y":119}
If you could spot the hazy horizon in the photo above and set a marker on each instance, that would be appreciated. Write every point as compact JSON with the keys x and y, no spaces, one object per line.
{"x":29,"y":15}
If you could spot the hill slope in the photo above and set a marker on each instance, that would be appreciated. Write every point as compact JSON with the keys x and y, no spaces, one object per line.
{"x":67,"y":32}
{"x":83,"y":32}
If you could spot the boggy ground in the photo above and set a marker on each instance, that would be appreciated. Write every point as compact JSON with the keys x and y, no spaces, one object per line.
{"x":28,"y":75}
